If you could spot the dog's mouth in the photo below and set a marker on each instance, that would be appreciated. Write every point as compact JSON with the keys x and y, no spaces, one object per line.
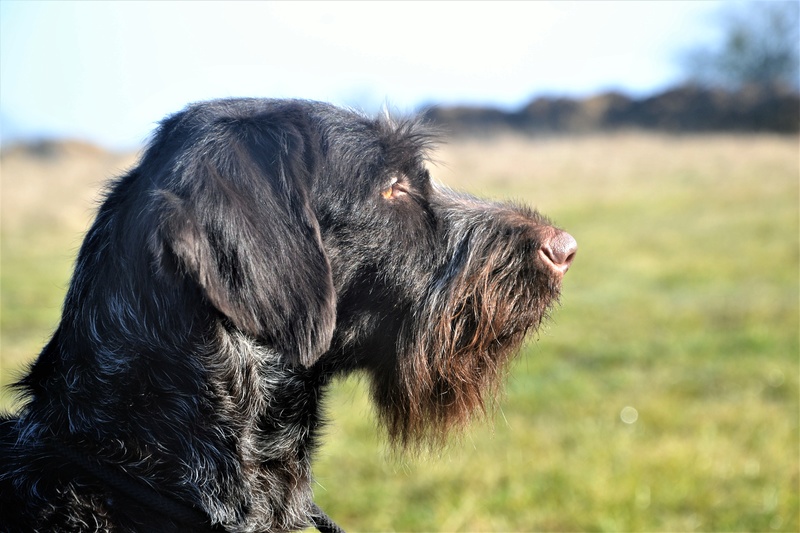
{"x":494,"y":296}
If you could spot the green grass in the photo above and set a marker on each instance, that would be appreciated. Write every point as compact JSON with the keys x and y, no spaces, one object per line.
{"x":33,"y":279}
{"x":682,"y":304}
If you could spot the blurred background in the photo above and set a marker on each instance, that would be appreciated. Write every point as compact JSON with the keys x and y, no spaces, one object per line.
{"x":662,"y":396}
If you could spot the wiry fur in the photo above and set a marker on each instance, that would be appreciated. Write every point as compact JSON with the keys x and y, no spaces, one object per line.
{"x":246,"y":260}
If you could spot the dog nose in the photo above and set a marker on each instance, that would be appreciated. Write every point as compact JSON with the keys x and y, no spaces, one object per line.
{"x":559,"y":250}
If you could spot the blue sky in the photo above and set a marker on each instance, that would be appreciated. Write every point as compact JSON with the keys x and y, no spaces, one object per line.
{"x":108,"y":71}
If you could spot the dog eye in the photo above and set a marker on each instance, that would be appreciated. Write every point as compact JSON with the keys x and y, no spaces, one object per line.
{"x":394,"y":190}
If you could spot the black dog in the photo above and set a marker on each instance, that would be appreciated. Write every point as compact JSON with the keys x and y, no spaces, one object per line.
{"x":258,"y":250}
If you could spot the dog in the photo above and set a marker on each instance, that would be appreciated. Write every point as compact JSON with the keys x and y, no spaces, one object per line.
{"x":259,"y":249}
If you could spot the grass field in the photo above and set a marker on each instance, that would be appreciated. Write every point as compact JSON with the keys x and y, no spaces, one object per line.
{"x":663,"y":396}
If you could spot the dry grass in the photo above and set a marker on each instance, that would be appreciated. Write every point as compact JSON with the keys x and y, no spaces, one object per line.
{"x":58,"y":188}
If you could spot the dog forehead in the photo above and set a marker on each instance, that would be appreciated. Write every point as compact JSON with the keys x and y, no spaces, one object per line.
{"x":364,"y":161}
{"x":393,"y":139}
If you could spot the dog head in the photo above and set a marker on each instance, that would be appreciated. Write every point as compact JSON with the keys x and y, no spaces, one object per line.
{"x":319,"y":232}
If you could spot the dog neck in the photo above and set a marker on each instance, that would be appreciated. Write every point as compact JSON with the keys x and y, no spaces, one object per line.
{"x":211,"y":430}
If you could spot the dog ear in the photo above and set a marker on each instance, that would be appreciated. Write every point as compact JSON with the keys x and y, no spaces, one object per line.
{"x":241,"y":225}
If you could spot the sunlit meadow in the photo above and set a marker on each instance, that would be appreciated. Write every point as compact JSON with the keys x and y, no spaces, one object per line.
{"x":662,"y":395}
